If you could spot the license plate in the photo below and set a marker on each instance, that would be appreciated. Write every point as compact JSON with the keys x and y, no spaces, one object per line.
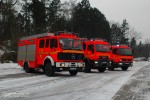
{"x":72,"y":68}
{"x":126,"y":63}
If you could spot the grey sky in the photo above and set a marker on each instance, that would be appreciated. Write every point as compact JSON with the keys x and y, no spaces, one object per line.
{"x":136,"y":12}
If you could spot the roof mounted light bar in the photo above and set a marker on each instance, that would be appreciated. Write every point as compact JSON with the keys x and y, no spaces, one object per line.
{"x":120,"y":45}
{"x":66,"y":33}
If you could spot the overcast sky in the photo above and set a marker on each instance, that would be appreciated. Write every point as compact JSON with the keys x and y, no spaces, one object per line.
{"x":136,"y":12}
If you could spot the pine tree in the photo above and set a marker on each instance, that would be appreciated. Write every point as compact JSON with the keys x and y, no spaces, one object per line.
{"x":124,"y":32}
{"x":133,"y":43}
{"x":53,"y":15}
{"x":39,"y":16}
{"x":89,"y":22}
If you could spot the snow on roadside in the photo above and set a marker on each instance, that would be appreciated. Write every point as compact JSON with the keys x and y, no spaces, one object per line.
{"x":1,"y":53}
{"x":10,"y":68}
{"x":137,"y":88}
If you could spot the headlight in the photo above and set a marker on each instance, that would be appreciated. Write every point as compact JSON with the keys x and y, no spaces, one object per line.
{"x":82,"y":64}
{"x":96,"y":62}
{"x":62,"y":64}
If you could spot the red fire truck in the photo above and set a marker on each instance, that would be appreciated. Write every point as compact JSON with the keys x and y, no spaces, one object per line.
{"x":51,"y":52}
{"x":121,"y":57}
{"x":97,"y":53}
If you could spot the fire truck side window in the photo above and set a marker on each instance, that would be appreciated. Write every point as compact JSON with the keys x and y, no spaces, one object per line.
{"x":47,"y":43}
{"x":91,"y":47}
{"x":53,"y":43}
{"x":41,"y":44}
{"x":114,"y":51}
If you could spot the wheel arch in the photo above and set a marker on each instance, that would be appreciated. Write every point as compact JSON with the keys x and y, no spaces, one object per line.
{"x":48,"y":59}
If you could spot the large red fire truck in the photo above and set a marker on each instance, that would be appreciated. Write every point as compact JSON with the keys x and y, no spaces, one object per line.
{"x":97,"y":54}
{"x":51,"y":52}
{"x":121,"y":57}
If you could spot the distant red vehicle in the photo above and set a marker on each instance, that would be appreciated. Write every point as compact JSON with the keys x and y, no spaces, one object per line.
{"x":122,"y":56}
{"x":51,"y":52}
{"x":97,"y":54}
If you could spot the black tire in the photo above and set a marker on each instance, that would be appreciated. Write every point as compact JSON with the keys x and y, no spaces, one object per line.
{"x":124,"y":68}
{"x":101,"y":69}
{"x":48,"y":69}
{"x":87,"y":68}
{"x":27,"y":69}
{"x":73,"y":73}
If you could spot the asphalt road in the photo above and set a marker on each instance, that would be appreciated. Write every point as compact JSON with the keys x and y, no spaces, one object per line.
{"x":84,"y":86}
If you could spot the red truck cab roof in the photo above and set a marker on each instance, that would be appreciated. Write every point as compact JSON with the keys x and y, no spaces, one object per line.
{"x":120,"y":46}
{"x":96,"y":42}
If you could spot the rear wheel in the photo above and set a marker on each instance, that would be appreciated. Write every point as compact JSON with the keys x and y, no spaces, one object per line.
{"x":124,"y":68}
{"x":27,"y":69}
{"x":87,"y":67}
{"x":48,"y":70}
{"x":73,"y":73}
{"x":101,"y":69}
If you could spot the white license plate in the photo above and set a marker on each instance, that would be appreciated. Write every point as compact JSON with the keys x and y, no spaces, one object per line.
{"x":72,"y":68}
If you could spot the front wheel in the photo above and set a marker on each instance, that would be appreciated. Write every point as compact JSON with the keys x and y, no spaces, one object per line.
{"x":124,"y":68}
{"x":48,"y":70}
{"x":101,"y":69}
{"x":73,"y":73}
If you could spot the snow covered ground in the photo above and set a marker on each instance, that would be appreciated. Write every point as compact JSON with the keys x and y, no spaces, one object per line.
{"x":15,"y":84}
{"x":137,"y":88}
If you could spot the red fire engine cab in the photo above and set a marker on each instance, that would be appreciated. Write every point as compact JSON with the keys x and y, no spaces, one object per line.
{"x":51,"y":52}
{"x":97,"y":53}
{"x":122,"y":56}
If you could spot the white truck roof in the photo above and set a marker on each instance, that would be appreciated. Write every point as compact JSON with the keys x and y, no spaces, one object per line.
{"x":37,"y":36}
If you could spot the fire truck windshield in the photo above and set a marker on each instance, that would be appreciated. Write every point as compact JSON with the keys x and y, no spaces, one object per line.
{"x":102,"y":48}
{"x":125,"y":51}
{"x":70,"y":44}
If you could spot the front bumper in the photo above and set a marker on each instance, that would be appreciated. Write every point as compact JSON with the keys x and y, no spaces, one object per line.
{"x":120,"y":64}
{"x":70,"y":66}
{"x":101,"y":63}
